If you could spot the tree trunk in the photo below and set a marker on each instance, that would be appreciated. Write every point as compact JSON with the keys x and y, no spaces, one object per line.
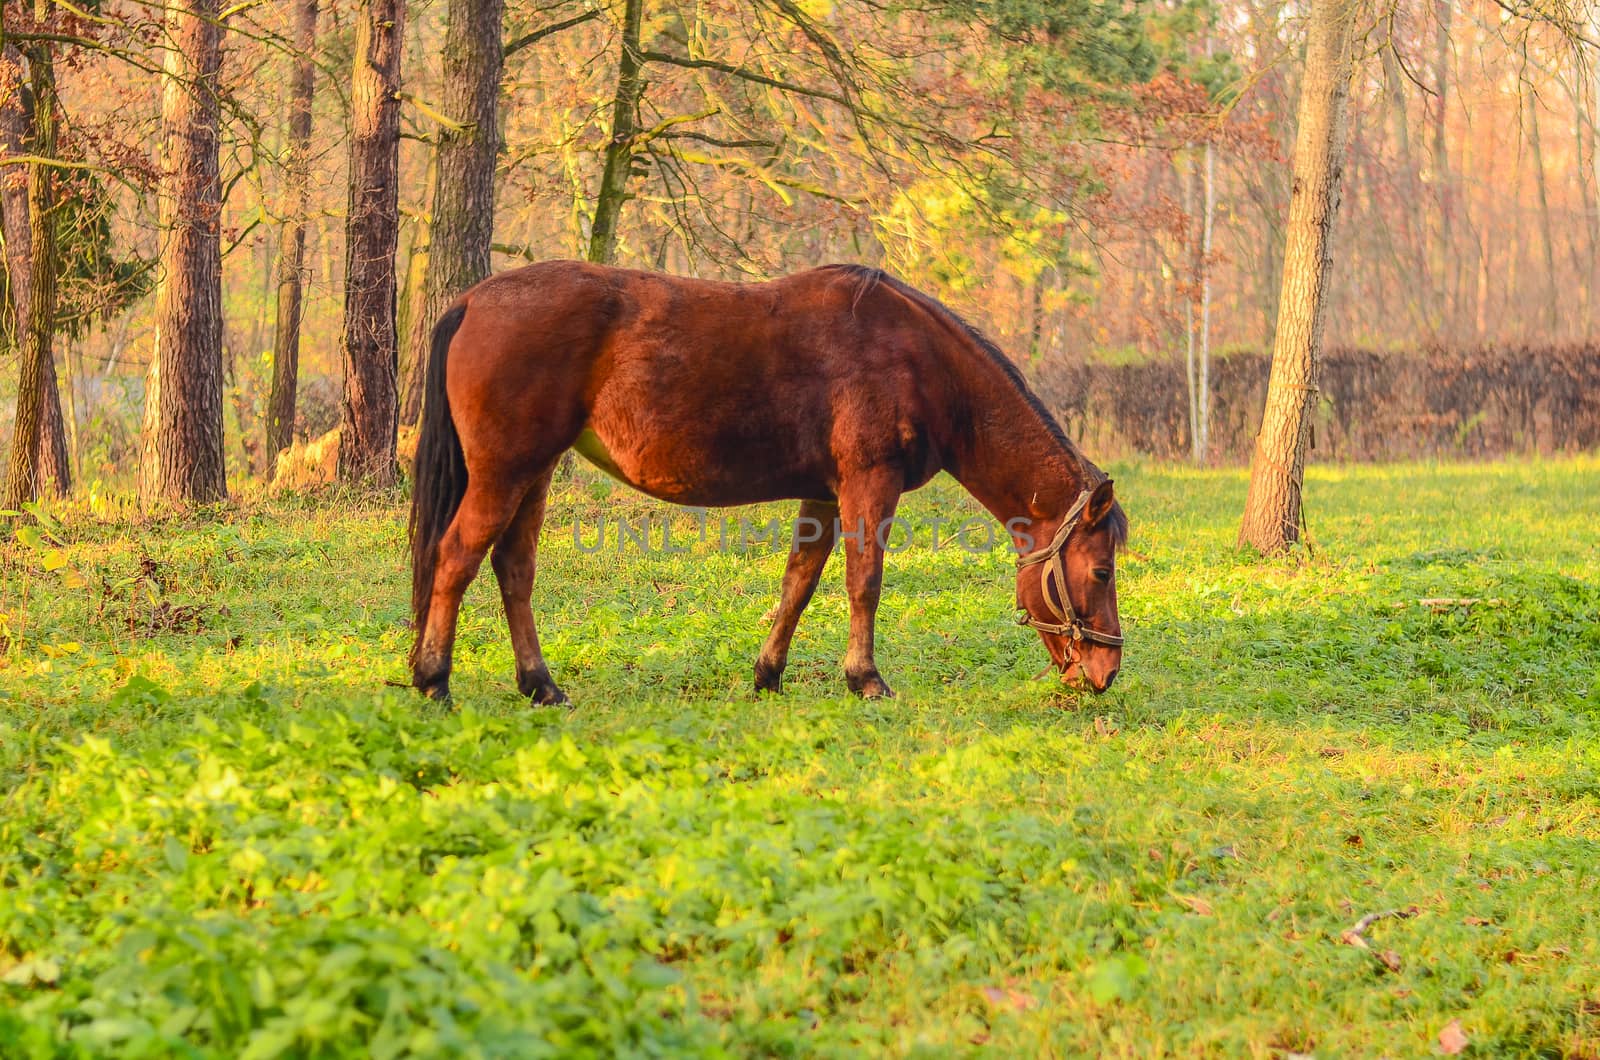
{"x":1191,"y":375}
{"x":372,"y":231}
{"x":415,"y":322}
{"x":1207,"y":217}
{"x":1594,"y":156}
{"x":1036,"y":322}
{"x":462,"y":222}
{"x":1552,"y":306}
{"x":292,"y":237}
{"x":23,"y":477}
{"x":1582,"y":148}
{"x":1412,"y":218}
{"x":54,"y":465}
{"x":619,"y":150}
{"x":185,"y":453}
{"x":1446,"y":308}
{"x":1272,"y":510}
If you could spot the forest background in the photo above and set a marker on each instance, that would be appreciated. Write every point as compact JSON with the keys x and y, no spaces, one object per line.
{"x":1093,"y":184}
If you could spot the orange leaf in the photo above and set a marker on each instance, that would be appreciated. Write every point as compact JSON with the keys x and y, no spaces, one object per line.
{"x":1453,"y":1040}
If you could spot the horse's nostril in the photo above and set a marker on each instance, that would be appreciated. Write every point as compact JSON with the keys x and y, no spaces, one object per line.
{"x":1110,"y":677}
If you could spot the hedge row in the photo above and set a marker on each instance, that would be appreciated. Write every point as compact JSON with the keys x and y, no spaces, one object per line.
{"x":1374,"y":406}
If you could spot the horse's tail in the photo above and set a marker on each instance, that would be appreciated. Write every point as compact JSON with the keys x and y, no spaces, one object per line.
{"x":439,"y":474}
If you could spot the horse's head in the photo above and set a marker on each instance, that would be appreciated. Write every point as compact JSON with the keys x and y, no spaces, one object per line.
{"x":1067,"y":590}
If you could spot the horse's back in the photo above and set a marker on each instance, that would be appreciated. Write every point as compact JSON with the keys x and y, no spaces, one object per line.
{"x":695,"y":391}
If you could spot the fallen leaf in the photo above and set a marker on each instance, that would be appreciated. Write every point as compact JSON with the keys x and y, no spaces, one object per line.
{"x":1453,"y":1040}
{"x":1010,"y":997}
{"x":1350,"y":937}
{"x":1476,"y":921}
{"x":1197,"y":905}
{"x":1390,"y":959}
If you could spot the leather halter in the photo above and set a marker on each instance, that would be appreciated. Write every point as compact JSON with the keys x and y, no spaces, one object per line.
{"x":1067,"y":623}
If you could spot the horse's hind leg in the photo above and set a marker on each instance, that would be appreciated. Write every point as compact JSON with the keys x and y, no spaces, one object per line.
{"x":813,"y":540}
{"x":487,"y":507}
{"x":515,"y":559}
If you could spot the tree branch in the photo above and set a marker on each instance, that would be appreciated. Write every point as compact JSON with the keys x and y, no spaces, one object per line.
{"x":741,"y":72}
{"x":514,"y":46}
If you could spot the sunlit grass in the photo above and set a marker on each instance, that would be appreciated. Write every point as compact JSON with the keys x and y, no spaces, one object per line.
{"x":223,"y":830}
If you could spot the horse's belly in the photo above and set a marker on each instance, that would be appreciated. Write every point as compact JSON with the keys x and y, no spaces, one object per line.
{"x":687,"y":470}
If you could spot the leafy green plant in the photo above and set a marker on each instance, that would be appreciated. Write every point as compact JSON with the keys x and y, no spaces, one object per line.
{"x":232,"y":838}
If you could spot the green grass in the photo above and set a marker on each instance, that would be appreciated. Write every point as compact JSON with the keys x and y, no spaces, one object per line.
{"x":223,"y":833}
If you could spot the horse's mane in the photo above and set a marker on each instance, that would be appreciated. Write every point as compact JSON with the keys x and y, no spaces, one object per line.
{"x":868,"y":277}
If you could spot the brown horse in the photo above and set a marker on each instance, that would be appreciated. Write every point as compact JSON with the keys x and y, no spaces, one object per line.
{"x":840,"y":387}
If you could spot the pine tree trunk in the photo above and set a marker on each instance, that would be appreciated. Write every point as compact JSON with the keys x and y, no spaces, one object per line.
{"x":54,"y":466}
{"x":1272,"y":510}
{"x":462,"y":223}
{"x":619,"y":150}
{"x":372,"y":232}
{"x":292,"y":237}
{"x":55,"y":458}
{"x":185,"y":453}
{"x":24,"y":478}
{"x":415,"y":322}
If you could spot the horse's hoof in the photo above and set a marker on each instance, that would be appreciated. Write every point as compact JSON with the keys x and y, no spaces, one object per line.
{"x":541,"y":688}
{"x":768,"y":680}
{"x":870,"y":686}
{"x":434,"y":686}
{"x":550,"y":696}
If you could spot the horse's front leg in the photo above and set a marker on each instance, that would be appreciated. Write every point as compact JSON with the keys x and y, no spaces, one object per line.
{"x":813,"y":540}
{"x":866,"y":505}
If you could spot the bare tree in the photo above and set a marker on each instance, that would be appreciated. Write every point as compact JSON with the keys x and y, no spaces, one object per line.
{"x":184,"y":459}
{"x":1552,"y":301}
{"x":1197,"y":354}
{"x":292,"y":236}
{"x":1277,"y":468}
{"x":372,"y":232}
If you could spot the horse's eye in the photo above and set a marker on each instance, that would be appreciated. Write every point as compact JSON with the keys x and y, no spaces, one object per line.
{"x":1102,"y":574}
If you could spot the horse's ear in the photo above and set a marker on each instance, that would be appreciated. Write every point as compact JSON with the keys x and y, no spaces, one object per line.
{"x":1099,"y":506}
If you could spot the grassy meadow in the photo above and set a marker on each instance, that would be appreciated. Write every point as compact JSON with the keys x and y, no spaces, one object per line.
{"x":224,"y":832}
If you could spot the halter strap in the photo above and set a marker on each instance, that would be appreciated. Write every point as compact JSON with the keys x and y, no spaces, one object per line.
{"x":1067,"y":623}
